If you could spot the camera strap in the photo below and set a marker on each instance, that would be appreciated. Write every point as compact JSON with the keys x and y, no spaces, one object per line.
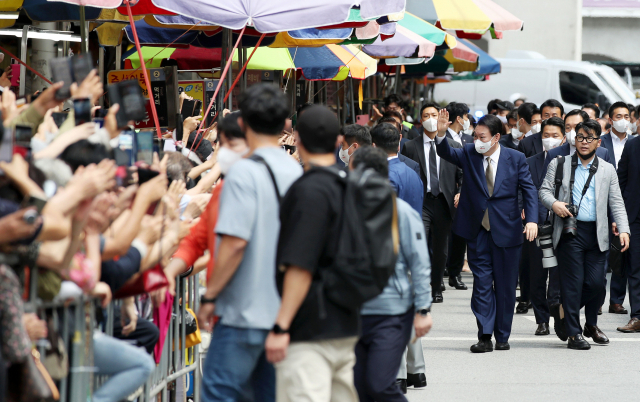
{"x":592,"y":171}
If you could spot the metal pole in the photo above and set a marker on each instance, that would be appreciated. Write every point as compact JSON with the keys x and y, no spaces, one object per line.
{"x":23,"y":57}
{"x":118,"y":57}
{"x":84,"y":32}
{"x":398,"y":89}
{"x":353,"y":102}
{"x":101,"y":72}
{"x":223,"y":60}
{"x":243,"y":80}
{"x":230,"y":75}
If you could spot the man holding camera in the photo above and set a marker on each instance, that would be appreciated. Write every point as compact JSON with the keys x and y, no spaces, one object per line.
{"x":581,"y":234}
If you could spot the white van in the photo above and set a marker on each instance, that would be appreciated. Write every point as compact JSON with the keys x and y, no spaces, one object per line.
{"x":537,"y":79}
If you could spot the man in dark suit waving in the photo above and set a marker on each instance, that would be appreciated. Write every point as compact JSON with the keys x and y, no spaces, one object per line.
{"x":441,"y":181}
{"x":489,"y":218}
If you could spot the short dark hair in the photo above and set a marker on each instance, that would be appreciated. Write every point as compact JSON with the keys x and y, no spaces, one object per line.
{"x":392,"y":98}
{"x":84,"y":153}
{"x":386,"y":137}
{"x":552,"y":103}
{"x":264,"y":108}
{"x":388,"y":119}
{"x":357,"y":133}
{"x":593,"y":107}
{"x":229,"y":127}
{"x":618,"y":105}
{"x":579,"y":112}
{"x":202,"y":148}
{"x":493,"y":104}
{"x":456,"y":110}
{"x":429,"y":104}
{"x":527,"y":110}
{"x":513,"y":115}
{"x":371,"y":158}
{"x":472,"y":120}
{"x":493,"y":123}
{"x":591,"y":127}
{"x":553,"y":121}
{"x":392,"y":114}
{"x":318,"y":129}
{"x":303,"y":107}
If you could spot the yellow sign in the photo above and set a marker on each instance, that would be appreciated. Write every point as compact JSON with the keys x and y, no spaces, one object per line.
{"x":194,"y":89}
{"x":124,"y":75}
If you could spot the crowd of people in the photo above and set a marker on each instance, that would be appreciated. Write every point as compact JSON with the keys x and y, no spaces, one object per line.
{"x":324,"y":246}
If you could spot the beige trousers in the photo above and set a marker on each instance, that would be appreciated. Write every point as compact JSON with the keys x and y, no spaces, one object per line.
{"x":318,"y":371}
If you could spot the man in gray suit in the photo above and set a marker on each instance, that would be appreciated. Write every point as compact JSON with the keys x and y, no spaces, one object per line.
{"x":581,"y":237}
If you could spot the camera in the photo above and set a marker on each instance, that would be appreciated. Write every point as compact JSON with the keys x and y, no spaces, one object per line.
{"x":570,"y":223}
{"x":545,"y":242}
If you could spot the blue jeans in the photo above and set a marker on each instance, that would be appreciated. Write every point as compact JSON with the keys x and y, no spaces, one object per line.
{"x":128,"y":366}
{"x":236,"y":368}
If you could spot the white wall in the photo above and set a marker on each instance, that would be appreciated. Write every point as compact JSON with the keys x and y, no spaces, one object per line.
{"x":551,"y":27}
{"x":612,"y":37}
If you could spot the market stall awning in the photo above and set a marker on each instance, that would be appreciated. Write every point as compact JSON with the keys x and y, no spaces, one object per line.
{"x":9,"y":6}
{"x":48,"y":11}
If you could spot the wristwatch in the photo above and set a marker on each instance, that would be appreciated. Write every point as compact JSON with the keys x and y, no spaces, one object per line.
{"x":277,"y":329}
{"x":205,"y":300}
{"x":423,"y":311}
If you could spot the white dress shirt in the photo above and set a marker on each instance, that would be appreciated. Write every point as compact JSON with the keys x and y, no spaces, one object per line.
{"x":427,"y":150}
{"x":494,"y":163}
{"x":618,"y":145}
{"x":392,"y":157}
{"x":528,"y":134}
{"x":456,"y":136}
{"x":572,"y":149}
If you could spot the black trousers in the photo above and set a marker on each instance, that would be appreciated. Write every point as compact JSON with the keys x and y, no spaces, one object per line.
{"x":633,"y":271}
{"x":524,"y":273}
{"x":582,"y":283}
{"x":378,"y":355}
{"x":542,"y":296}
{"x":146,"y":334}
{"x":437,"y":225}
{"x":457,"y":249}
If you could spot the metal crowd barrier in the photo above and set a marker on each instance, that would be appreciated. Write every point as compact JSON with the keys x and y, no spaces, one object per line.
{"x":75,"y":321}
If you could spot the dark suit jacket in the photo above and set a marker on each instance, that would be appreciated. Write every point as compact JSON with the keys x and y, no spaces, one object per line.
{"x":531,"y":145}
{"x":607,"y":143}
{"x":565,"y":149}
{"x":466,"y":138}
{"x":629,"y":177}
{"x":415,"y":166}
{"x":504,"y":213}
{"x":507,"y":141}
{"x":538,"y":171}
{"x":450,"y":176}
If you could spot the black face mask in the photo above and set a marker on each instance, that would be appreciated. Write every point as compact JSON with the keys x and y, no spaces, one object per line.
{"x":587,"y":156}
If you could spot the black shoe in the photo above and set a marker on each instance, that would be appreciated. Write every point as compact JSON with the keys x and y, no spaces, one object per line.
{"x":518,"y":299}
{"x":523,"y":307}
{"x":577,"y":342}
{"x":483,"y":346}
{"x":416,"y":380}
{"x":558,"y":323}
{"x":456,"y":282}
{"x":446,"y":272}
{"x":543,"y":329}
{"x":437,"y":297}
{"x":593,"y":332}
{"x":600,"y":311}
{"x":442,"y":287}
{"x":503,"y":346}
{"x":402,"y":384}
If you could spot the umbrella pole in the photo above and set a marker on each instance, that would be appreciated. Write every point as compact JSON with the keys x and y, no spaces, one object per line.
{"x":398,"y":83}
{"x":230,"y":75}
{"x":243,"y":80}
{"x":337,"y":95}
{"x":84,"y":36}
{"x":352,"y":101}
{"x":224,"y":55}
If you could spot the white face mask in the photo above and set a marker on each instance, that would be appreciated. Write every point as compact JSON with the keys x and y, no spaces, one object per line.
{"x":430,"y":124}
{"x":633,"y":127}
{"x":344,"y":156}
{"x":483,"y":147}
{"x":536,"y":128}
{"x":227,"y":157}
{"x":516,"y":134}
{"x":465,"y":124}
{"x":621,"y":125}
{"x":503,"y":119}
{"x":468,"y":131}
{"x":571,"y":137}
{"x":550,"y":143}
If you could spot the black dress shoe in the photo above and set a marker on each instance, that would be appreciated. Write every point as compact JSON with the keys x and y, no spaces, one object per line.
{"x":416,"y":380}
{"x":402,"y":384}
{"x":503,"y":346}
{"x":442,"y":287}
{"x":523,"y":307}
{"x":437,"y":297}
{"x":617,"y":309}
{"x":558,"y":323}
{"x":483,"y":346}
{"x":456,"y":282}
{"x":543,"y":329}
{"x":593,"y":332}
{"x":600,"y":311}
{"x":577,"y":342}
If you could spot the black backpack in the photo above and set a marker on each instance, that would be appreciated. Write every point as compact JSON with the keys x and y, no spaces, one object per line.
{"x":368,"y":241}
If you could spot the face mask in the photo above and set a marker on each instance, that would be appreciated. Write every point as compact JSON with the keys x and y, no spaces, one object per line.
{"x":536,"y":128}
{"x":550,"y":143}
{"x":633,"y":127}
{"x":227,"y":157}
{"x":503,"y":119}
{"x":344,"y":156}
{"x":571,"y":137}
{"x":430,"y":124}
{"x":468,"y":131}
{"x":621,"y":125}
{"x":516,"y":134}
{"x":465,"y":124}
{"x":482,"y":147}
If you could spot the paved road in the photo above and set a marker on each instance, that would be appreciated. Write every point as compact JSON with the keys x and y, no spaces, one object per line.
{"x":537,"y":368}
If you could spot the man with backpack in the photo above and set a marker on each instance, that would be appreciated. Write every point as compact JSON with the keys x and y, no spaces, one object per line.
{"x":404,"y":302}
{"x":313,"y":339}
{"x":241,"y":290}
